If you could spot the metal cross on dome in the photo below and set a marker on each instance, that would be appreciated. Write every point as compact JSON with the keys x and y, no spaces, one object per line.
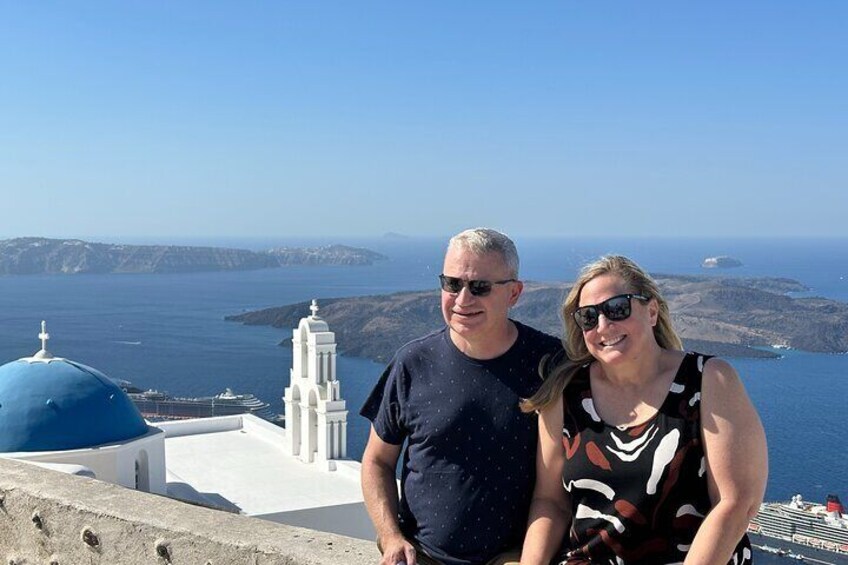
{"x":43,"y":354}
{"x":44,"y":336}
{"x":314,"y":308}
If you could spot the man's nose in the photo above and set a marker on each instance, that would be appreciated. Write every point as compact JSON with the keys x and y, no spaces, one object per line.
{"x":464,"y":296}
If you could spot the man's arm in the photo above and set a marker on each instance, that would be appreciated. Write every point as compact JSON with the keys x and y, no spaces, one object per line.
{"x":381,"y":499}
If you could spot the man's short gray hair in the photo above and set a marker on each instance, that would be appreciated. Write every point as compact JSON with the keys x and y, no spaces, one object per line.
{"x":485,"y":240}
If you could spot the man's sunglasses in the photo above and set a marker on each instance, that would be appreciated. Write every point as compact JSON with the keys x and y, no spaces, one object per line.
{"x":614,"y":309}
{"x":454,"y":285}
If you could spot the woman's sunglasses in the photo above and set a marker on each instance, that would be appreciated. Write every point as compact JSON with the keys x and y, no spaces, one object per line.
{"x":614,"y":309}
{"x":454,"y":285}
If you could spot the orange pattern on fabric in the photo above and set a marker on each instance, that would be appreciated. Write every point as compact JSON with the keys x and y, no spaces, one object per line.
{"x":597,"y":457}
{"x":628,"y":510}
{"x":571,"y":447}
{"x":637,"y":431}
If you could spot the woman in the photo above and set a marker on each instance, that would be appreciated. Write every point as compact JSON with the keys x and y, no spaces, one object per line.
{"x":646,"y":454}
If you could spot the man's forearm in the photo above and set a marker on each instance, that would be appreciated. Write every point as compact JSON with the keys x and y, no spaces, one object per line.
{"x":381,"y":499}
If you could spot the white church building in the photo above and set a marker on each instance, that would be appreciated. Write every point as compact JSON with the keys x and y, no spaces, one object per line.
{"x":67,"y":416}
{"x":70,"y":417}
{"x":314,"y":410}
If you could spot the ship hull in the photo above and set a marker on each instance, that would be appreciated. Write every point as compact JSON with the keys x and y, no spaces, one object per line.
{"x":167,"y":408}
{"x":811,"y":554}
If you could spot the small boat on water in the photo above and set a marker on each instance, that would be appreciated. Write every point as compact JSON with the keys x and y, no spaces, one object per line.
{"x":773,"y":550}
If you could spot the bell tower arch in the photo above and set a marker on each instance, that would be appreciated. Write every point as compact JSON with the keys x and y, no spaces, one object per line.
{"x":315,"y":413}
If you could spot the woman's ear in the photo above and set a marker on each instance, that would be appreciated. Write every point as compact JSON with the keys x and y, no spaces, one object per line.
{"x":654,"y":311}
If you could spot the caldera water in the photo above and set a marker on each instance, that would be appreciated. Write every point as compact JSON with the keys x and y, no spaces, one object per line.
{"x":168,"y":332}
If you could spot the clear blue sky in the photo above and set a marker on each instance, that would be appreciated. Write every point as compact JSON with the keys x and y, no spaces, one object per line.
{"x":128,"y":119}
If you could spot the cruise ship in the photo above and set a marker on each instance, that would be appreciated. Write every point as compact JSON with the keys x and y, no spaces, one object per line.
{"x":816,"y":526}
{"x":155,"y":405}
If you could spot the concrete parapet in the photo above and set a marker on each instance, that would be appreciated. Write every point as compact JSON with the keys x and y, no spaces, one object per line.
{"x":47,"y":517}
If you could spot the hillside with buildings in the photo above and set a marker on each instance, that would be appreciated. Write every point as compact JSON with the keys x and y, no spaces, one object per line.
{"x":38,"y":255}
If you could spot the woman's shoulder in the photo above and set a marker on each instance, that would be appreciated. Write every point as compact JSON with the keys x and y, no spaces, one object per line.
{"x":720,"y":378}
{"x":709,"y":367}
{"x":719,"y":385}
{"x":700,"y":364}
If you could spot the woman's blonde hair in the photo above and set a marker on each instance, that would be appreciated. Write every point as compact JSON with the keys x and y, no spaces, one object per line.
{"x":558,"y":372}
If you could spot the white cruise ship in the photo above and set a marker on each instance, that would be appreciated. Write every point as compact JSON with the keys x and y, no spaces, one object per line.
{"x":819,"y":526}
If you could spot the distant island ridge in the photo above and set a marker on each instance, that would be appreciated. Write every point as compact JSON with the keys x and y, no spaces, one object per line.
{"x":38,"y":255}
{"x":732,"y":317}
{"x":721,"y":262}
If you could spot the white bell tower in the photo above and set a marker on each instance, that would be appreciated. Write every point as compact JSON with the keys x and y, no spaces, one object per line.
{"x":316,"y":416}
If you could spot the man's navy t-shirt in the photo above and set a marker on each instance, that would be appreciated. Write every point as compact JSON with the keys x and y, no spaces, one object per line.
{"x":469,"y":466}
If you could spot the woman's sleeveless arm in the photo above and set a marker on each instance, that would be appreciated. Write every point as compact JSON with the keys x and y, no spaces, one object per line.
{"x":736,"y":463}
{"x":549,"y":509}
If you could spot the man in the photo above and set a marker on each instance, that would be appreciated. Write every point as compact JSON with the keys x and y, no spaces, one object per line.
{"x":469,"y":464}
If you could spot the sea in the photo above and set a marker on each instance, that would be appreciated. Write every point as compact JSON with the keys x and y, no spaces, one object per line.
{"x":167,"y":331}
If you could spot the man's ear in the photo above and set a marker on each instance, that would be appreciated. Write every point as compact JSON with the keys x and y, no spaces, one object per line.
{"x":515,"y":292}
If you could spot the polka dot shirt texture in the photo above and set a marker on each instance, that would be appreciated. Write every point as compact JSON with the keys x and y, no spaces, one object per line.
{"x":469,"y":465}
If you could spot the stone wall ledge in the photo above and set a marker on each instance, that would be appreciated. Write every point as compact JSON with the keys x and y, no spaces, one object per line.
{"x":51,"y":518}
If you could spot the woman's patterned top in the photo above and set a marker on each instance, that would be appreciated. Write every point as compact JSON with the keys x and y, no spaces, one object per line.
{"x":638,"y":493}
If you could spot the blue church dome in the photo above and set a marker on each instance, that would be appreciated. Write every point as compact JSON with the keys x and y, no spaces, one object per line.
{"x":52,"y":404}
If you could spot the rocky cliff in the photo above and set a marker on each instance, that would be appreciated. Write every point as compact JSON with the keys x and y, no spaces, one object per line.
{"x":35,"y":255}
{"x":327,"y":255}
{"x":729,"y":317}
